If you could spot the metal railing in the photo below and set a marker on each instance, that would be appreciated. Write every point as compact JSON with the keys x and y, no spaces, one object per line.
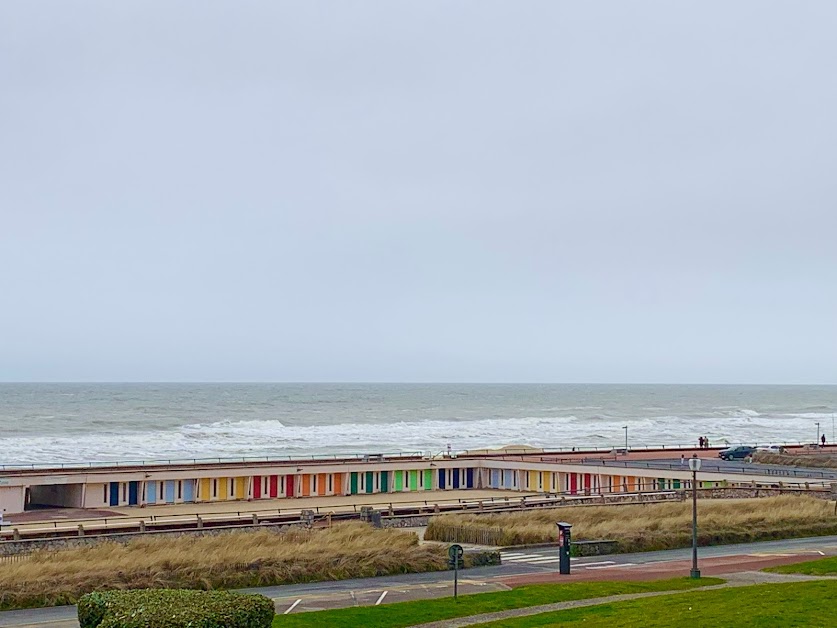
{"x":359,"y":457}
{"x":708,"y":466}
{"x":346,"y":458}
{"x":156,"y":523}
{"x":632,"y":447}
{"x":153,"y":524}
{"x":132,"y":521}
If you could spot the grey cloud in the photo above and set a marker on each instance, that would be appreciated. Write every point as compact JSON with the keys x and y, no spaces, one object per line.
{"x":443,"y":191}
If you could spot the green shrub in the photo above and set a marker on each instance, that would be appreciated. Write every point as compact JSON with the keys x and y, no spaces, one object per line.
{"x":92,"y":608}
{"x":174,"y":608}
{"x":482,"y":559}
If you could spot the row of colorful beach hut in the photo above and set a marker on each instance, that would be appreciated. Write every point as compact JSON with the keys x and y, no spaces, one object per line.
{"x":259,"y":487}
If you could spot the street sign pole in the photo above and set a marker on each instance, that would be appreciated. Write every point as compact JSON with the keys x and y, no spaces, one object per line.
{"x":455,"y":553}
{"x":456,"y":581}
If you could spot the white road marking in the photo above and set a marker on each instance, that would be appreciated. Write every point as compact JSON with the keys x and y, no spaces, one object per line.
{"x":292,"y":607}
{"x":604,"y":562}
{"x":612,"y":566}
{"x":517,"y":557}
{"x":381,"y":599}
{"x":521,"y":558}
{"x":820,"y":553}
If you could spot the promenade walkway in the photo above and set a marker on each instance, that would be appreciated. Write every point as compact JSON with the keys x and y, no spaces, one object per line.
{"x":62,"y":517}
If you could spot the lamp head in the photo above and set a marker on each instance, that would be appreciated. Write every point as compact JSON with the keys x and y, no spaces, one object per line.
{"x":694,"y":464}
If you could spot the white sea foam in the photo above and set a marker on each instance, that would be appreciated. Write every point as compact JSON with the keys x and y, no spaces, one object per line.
{"x":813,"y":416}
{"x":275,"y":438}
{"x":743,"y":412}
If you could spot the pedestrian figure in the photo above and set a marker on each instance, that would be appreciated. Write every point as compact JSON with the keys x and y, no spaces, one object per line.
{"x":823,"y":440}
{"x":682,"y":460}
{"x":706,"y":442}
{"x":700,"y":442}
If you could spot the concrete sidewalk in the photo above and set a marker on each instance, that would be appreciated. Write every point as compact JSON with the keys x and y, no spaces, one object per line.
{"x":61,"y":518}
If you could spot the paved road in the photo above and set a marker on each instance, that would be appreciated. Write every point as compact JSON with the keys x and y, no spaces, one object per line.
{"x":547,"y":558}
{"x":718,"y":465}
{"x":518,"y":566}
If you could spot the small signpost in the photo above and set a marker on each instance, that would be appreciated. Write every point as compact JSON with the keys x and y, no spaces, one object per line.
{"x":455,"y":554}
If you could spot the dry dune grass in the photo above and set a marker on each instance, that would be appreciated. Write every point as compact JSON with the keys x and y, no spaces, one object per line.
{"x":825,"y":460}
{"x":658,"y":526}
{"x":223,"y":561}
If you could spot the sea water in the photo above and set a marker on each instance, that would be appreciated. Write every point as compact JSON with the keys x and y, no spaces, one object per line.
{"x":47,"y":423}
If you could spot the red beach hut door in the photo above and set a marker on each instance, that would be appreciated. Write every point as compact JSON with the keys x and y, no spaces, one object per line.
{"x":257,"y":487}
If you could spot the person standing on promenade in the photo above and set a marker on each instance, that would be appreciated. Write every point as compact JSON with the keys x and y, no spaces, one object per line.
{"x":823,"y":440}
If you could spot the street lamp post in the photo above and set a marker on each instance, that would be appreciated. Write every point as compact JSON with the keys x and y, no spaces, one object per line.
{"x":694,"y":467}
{"x":818,"y":434}
{"x":626,"y":439}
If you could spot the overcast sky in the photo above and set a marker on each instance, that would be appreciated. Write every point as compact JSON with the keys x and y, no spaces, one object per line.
{"x":418,"y":191}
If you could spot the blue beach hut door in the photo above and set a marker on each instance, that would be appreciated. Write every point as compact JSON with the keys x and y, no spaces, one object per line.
{"x":151,"y":492}
{"x":133,"y":493}
{"x":114,"y":494}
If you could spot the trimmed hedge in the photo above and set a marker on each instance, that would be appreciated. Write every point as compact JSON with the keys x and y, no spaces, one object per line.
{"x":482,"y":559}
{"x":174,"y":608}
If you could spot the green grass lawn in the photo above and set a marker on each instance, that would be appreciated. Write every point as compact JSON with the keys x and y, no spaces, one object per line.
{"x":420,"y":611}
{"x":809,"y":604}
{"x":819,"y":567}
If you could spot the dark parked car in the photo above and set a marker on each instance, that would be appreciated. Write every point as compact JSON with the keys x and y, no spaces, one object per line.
{"x":736,"y":453}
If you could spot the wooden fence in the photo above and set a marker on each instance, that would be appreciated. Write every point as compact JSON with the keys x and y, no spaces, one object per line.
{"x":465,"y":534}
{"x":15,"y":558}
